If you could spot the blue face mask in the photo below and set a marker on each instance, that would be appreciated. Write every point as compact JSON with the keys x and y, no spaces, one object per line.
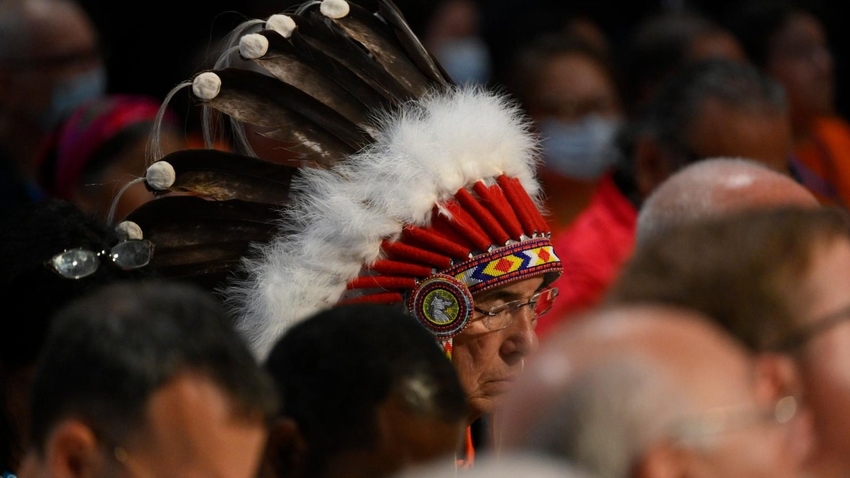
{"x":582,"y":150}
{"x":465,"y":59}
{"x":70,"y":93}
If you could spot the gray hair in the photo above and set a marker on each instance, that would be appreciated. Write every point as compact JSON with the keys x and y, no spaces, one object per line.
{"x":609,"y":416}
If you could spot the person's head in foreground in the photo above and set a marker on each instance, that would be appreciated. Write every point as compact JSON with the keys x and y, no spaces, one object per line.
{"x":777,"y":280}
{"x":526,"y":465}
{"x":652,"y":391}
{"x":716,"y":187}
{"x":365,"y":391}
{"x":147,"y":380}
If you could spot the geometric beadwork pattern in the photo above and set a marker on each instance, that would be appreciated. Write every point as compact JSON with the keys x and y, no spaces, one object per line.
{"x":507,"y":264}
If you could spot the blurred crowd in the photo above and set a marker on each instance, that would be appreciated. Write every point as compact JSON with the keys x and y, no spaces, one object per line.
{"x":695,"y":175}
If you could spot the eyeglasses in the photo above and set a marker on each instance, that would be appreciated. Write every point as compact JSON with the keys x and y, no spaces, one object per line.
{"x":726,"y":419}
{"x":122,"y":456}
{"x":79,"y":263}
{"x":501,"y":316}
{"x":803,"y":335}
{"x":132,"y":465}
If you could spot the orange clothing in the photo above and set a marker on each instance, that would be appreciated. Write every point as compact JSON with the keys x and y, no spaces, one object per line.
{"x":823,"y":162}
{"x":468,"y":460}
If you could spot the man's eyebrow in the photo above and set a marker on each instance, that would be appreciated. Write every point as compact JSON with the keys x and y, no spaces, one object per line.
{"x":505,"y":295}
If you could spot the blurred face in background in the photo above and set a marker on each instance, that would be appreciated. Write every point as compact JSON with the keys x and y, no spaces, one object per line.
{"x":799,"y":57}
{"x":60,"y":68}
{"x":577,"y":107}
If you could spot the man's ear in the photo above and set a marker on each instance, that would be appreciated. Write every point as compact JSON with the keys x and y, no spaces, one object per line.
{"x":651,"y":166}
{"x":777,"y":376}
{"x":662,"y":460}
{"x":72,"y":451}
{"x":286,"y":449}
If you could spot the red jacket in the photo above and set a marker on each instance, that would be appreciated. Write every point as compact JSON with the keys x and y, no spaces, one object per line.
{"x":592,"y":250}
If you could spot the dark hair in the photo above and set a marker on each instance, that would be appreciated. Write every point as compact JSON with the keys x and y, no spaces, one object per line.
{"x":659,"y":46}
{"x":531,"y":58}
{"x":668,"y":117}
{"x":109,"y":352}
{"x":334,"y":369}
{"x":742,"y":270}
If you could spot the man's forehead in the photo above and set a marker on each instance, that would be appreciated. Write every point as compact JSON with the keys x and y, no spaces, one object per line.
{"x":515,"y":289}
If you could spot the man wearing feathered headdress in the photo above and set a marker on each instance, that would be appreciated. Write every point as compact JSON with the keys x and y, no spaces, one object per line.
{"x":412,"y":190}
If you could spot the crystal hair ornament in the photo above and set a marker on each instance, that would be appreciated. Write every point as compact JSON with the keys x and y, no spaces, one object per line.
{"x":79,"y":263}
{"x":405,"y":188}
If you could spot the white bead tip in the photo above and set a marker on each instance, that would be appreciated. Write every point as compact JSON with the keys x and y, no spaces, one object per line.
{"x":206,"y":85}
{"x":282,"y":24}
{"x":334,"y":8}
{"x":160,"y":175}
{"x":253,"y":46}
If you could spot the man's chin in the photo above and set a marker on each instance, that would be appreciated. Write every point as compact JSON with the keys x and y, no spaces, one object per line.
{"x":492,"y":395}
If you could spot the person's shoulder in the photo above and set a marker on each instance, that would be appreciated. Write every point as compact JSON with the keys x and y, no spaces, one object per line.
{"x":608,"y":221}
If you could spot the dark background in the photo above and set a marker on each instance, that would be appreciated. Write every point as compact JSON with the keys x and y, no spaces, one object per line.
{"x":153,"y":47}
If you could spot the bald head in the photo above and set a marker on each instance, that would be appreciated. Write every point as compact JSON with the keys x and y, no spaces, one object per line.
{"x":716,"y":187}
{"x":606,"y":392}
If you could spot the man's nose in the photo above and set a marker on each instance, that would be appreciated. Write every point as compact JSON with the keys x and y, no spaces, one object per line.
{"x":521,"y":340}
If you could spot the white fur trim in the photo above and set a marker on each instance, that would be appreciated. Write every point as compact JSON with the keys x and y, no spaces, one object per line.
{"x":253,"y":46}
{"x":339,"y":217}
{"x":206,"y":85}
{"x":129,"y":230}
{"x":160,"y":175}
{"x":283,"y":24}
{"x":334,"y":8}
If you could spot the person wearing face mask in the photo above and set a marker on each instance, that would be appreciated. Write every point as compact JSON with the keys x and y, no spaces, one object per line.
{"x":452,"y":33}
{"x":571,"y":91}
{"x":50,"y":64}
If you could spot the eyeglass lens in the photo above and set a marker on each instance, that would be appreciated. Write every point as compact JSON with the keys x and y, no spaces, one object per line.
{"x":541,"y":303}
{"x":545,"y":301}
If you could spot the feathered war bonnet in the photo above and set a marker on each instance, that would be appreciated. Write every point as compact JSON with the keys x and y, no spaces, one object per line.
{"x":410,"y":189}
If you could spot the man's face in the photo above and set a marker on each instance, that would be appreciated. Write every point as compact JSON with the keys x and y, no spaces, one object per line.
{"x":742,"y":427}
{"x":824,"y":360}
{"x":488,"y":362}
{"x":572,"y":86}
{"x":192,"y":431}
{"x":723,"y":130}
